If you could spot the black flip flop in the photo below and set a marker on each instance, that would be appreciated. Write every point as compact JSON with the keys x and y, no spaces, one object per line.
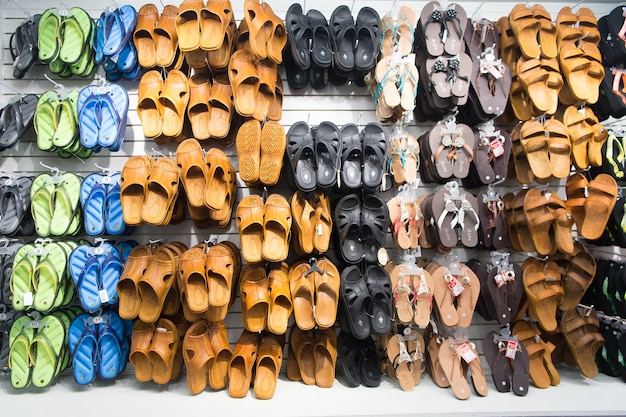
{"x":5,"y":279}
{"x":297,"y":78}
{"x":375,"y":146}
{"x":347,"y":220}
{"x":299,"y":33}
{"x":321,"y":48}
{"x":343,"y":33}
{"x":14,"y":204}
{"x":351,"y":157}
{"x":17,"y":119}
{"x":379,"y":286}
{"x":301,"y":155}
{"x":355,"y":300}
{"x":23,"y":46}
{"x":374,"y":224}
{"x":367,"y":39}
{"x":327,"y":146}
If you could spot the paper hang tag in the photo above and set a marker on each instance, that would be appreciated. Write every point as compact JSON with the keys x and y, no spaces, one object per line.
{"x":500,"y":279}
{"x":497,"y":148}
{"x":455,"y":286}
{"x":466,"y":353}
{"x":104,"y":296}
{"x":28,"y":299}
{"x":511,"y":349}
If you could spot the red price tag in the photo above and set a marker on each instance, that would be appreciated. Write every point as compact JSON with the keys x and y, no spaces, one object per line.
{"x":511,"y":349}
{"x":455,"y":286}
{"x":497,"y":148}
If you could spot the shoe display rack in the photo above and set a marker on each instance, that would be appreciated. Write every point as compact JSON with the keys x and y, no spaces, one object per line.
{"x":336,"y":106}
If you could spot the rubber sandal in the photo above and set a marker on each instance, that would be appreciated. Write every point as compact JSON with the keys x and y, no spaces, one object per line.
{"x":327,"y":145}
{"x":431,"y":23}
{"x":375,"y":144}
{"x":85,"y":272}
{"x":374,"y":223}
{"x":45,"y":119}
{"x":173,"y":101}
{"x":113,"y":346}
{"x":47,"y":42}
{"x":241,"y":365}
{"x":94,"y":210}
{"x":367,"y":36}
{"x":280,"y":303}
{"x":114,"y":110}
{"x":379,"y":287}
{"x":83,"y":345}
{"x":273,"y":142}
{"x":77,"y":27}
{"x":219,"y":172}
{"x":277,"y":39}
{"x":244,"y":79}
{"x":143,"y":35}
{"x":249,"y":150}
{"x":25,"y":53}
{"x":276,"y":228}
{"x":166,"y":38}
{"x":349,"y":351}
{"x":15,"y":203}
{"x":250,"y":213}
{"x":198,"y":355}
{"x":343,"y":31}
{"x":134,"y":268}
{"x":220,"y":108}
{"x":301,"y":154}
{"x":302,"y":288}
{"x":134,"y":187}
{"x":160,"y":192}
{"x":164,"y":351}
{"x":253,"y":287}
{"x":351,"y":157}
{"x":347,"y":220}
{"x":114,"y":224}
{"x":111,"y":268}
{"x":141,"y":339}
{"x":260,"y":26}
{"x":156,"y":282}
{"x":190,"y":160}
{"x":312,"y":28}
{"x":188,"y":24}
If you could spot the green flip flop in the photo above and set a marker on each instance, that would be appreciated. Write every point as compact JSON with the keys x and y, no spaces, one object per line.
{"x":68,"y":291}
{"x":21,"y":281}
{"x":66,"y":317}
{"x":67,"y":198}
{"x":20,"y":338}
{"x":40,"y":203}
{"x":45,"y":119}
{"x":49,"y":277}
{"x":46,"y":350}
{"x":47,"y":39}
{"x":76,"y":29}
{"x":66,"y":132}
{"x":59,"y":67}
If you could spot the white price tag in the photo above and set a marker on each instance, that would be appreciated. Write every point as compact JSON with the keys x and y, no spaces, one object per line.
{"x":511,"y":349}
{"x":455,"y":286}
{"x":28,"y":299}
{"x":466,"y":353}
{"x":497,"y":148}
{"x":320,"y":230}
{"x":104,"y":296}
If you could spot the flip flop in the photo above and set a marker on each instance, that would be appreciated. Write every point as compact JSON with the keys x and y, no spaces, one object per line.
{"x":20,"y":114}
{"x":113,"y":346}
{"x":20,"y":339}
{"x":15,"y":204}
{"x":398,"y":355}
{"x":113,"y":111}
{"x":88,"y":106}
{"x":111,"y":268}
{"x":83,"y":345}
{"x":66,"y":114}
{"x":46,"y":350}
{"x":114,"y":224}
{"x":85,"y":272}
{"x":25,"y":51}
{"x":119,"y":26}
{"x":65,"y":218}
{"x":45,"y":119}
{"x":77,"y":32}
{"x":49,"y":277}
{"x":47,"y":42}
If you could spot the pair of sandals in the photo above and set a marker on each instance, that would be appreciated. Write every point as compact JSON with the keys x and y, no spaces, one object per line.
{"x":113,"y":43}
{"x":57,"y":125}
{"x":341,"y":46}
{"x":492,"y":233}
{"x":99,"y":345}
{"x":102,"y":113}
{"x":16,"y":119}
{"x":365,"y":307}
{"x":55,"y":204}
{"x":65,"y":42}
{"x":7,"y":314}
{"x":507,"y":356}
{"x":15,"y":214}
{"x":326,"y":156}
{"x":357,"y":361}
{"x":446,"y":152}
{"x":312,"y":356}
{"x":361,"y":225}
{"x":23,"y":46}
{"x":610,"y":357}
{"x":39,"y":348}
{"x":502,"y":288}
{"x":96,"y":272}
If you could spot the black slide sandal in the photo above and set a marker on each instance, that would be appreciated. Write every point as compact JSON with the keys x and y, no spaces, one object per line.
{"x":321,"y":48}
{"x":369,"y":365}
{"x":379,"y":286}
{"x":348,"y":223}
{"x":349,"y":354}
{"x":344,"y":37}
{"x":297,"y":78}
{"x":300,"y":34}
{"x":375,"y":146}
{"x":318,"y":77}
{"x":327,"y":145}
{"x":301,"y":154}
{"x":368,"y":39}
{"x":351,"y":157}
{"x":355,"y":300}
{"x":374,"y":223}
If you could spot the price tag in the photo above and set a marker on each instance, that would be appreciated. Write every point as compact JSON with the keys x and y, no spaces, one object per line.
{"x":64,"y":13}
{"x":28,"y":299}
{"x":98,"y":251}
{"x":106,"y":180}
{"x":455,"y":286}
{"x":494,"y":71}
{"x":161,"y":329}
{"x":500,"y":279}
{"x":320,"y":230}
{"x":104,"y":296}
{"x":511,"y":349}
{"x":466,"y":352}
{"x":34,"y":324}
{"x":497,"y":148}
{"x":97,"y":320}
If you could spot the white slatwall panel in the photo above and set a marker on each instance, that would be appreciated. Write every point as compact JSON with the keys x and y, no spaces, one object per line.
{"x":340,"y":105}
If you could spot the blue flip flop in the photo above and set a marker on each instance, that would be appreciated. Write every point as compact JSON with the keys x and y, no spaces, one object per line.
{"x":83,"y":344}
{"x":114,"y":115}
{"x":113,"y":346}
{"x":114,"y":223}
{"x":111,"y":268}
{"x":87,"y":185}
{"x":127,"y":58}
{"x":98,"y":40}
{"x":94,"y":210}
{"x":88,"y":107}
{"x":85,"y":272}
{"x":119,"y":26}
